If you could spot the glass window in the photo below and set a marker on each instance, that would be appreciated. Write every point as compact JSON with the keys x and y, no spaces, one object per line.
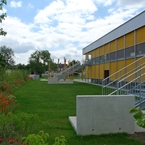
{"x":101,"y":58}
{"x":108,"y":57}
{"x":120,"y":54}
{"x":97,"y":60}
{"x":93,"y":60}
{"x":140,"y":49}
{"x":129,"y":52}
{"x":112,"y":56}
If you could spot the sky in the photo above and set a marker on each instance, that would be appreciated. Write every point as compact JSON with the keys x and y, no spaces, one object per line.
{"x":63,"y":27}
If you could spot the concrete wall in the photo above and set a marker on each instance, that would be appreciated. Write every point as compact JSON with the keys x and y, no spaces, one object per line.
{"x":52,"y":80}
{"x":103,"y":114}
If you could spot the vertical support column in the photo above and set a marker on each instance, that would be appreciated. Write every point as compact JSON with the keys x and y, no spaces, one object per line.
{"x":116,"y":58}
{"x":135,"y":64}
{"x":124,"y":54}
{"x":99,"y":64}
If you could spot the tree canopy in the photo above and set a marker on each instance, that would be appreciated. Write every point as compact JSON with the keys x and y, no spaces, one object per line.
{"x":2,"y":16}
{"x":39,"y":60}
{"x":6,"y":56}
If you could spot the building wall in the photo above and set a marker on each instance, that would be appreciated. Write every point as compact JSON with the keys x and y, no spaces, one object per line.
{"x":93,"y":110}
{"x":116,"y":54}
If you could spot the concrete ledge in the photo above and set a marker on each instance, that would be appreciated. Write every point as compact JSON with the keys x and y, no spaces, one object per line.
{"x":65,"y":82}
{"x":103,"y":114}
{"x":44,"y":80}
{"x":73,"y":122}
{"x":54,"y":80}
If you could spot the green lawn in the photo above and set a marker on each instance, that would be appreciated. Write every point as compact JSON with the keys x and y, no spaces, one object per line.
{"x":55,"y":103}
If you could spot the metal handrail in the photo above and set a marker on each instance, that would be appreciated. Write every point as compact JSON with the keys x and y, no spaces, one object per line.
{"x":108,"y":83}
{"x":124,"y":67}
{"x":127,"y":83}
{"x":70,"y":70}
{"x":123,"y":75}
{"x":71,"y":67}
{"x":131,"y":74}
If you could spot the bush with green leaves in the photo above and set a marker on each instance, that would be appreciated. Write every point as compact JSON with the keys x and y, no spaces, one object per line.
{"x":36,"y":139}
{"x":139,"y":116}
{"x":20,"y":125}
{"x":13,"y":78}
{"x":42,"y":138}
{"x":60,"y":140}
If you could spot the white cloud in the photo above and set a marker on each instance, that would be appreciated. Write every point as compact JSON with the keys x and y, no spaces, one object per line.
{"x":131,"y":2}
{"x":104,"y":2}
{"x":64,"y":27}
{"x":15,"y":4}
{"x":60,"y":11}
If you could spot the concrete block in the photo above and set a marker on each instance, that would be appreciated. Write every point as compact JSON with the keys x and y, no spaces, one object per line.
{"x":103,"y":114}
{"x":52,"y":80}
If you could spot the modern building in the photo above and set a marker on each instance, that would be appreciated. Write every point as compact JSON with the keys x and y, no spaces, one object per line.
{"x":116,"y":49}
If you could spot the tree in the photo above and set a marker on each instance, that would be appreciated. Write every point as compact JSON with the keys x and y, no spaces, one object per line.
{"x":45,"y":56}
{"x":2,"y":17}
{"x":38,"y":61}
{"x":6,"y":56}
{"x":22,"y":66}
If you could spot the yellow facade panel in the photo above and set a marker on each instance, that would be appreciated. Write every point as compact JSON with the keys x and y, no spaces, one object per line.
{"x":87,"y":68}
{"x":97,"y":71}
{"x":97,"y":52}
{"x":88,"y":72}
{"x":87,"y":56}
{"x":101,"y":50}
{"x":140,"y":35}
{"x":120,"y":43}
{"x":106,"y":48}
{"x":106,"y":66}
{"x":129,"y":69}
{"x":113,"y":70}
{"x":93,"y":72}
{"x":120,"y":65}
{"x":129,"y":39}
{"x":113,"y":46}
{"x":101,"y":71}
{"x":93,"y":53}
{"x":129,"y":61}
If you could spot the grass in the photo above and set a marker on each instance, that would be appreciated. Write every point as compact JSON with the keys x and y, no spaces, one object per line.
{"x":55,"y":103}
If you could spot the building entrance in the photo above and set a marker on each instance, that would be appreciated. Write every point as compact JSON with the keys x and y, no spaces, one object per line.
{"x":106,"y":73}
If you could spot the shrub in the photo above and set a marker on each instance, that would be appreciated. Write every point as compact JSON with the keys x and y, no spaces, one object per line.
{"x":17,"y":126}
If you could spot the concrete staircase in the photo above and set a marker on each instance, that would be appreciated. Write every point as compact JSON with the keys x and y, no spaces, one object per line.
{"x":63,"y":74}
{"x":70,"y":70}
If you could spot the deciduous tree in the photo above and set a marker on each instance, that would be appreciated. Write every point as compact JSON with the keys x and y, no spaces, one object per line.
{"x":6,"y":56}
{"x":2,"y":16}
{"x":38,"y":61}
